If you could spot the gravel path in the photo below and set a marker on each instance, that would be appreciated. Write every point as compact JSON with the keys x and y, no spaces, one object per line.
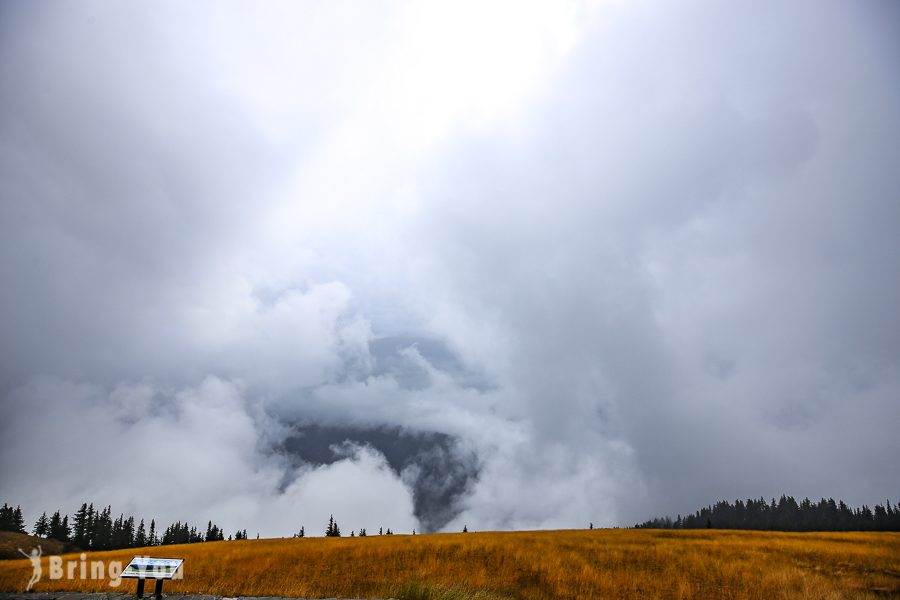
{"x":76,"y":596}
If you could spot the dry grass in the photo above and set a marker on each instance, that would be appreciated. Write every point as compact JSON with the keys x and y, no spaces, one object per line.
{"x":529,"y":565}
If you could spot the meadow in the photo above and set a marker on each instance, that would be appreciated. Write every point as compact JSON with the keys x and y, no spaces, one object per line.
{"x":618,"y":563}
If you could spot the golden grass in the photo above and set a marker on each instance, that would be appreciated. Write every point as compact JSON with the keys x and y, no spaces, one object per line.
{"x":622,"y":563}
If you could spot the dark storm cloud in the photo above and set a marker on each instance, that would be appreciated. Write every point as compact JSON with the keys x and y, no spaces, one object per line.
{"x":597,"y":263}
{"x":430,"y":462}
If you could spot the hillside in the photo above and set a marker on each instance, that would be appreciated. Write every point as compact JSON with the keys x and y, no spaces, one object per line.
{"x":529,"y":565}
{"x":10,"y":542}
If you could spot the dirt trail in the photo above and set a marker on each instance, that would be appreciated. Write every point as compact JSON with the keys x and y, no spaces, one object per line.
{"x":79,"y":596}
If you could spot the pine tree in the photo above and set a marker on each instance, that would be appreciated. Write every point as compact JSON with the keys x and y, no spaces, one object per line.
{"x":79,"y":528}
{"x":151,"y":537}
{"x":140,"y":538}
{"x":90,"y":528}
{"x":41,"y":526}
{"x":465,"y":529}
{"x":59,"y":527}
{"x":65,"y":533}
{"x":332,"y":530}
{"x":6,"y":518}
{"x":102,"y":538}
{"x":18,"y":524}
{"x":55,"y":525}
{"x":128,"y":533}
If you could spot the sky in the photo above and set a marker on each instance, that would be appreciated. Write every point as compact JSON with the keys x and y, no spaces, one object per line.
{"x":507,"y":265}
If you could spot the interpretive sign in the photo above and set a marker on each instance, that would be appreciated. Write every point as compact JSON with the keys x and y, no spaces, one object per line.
{"x":144,"y":567}
{"x":160,"y":569}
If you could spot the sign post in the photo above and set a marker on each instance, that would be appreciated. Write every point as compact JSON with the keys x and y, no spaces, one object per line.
{"x":160,"y":569}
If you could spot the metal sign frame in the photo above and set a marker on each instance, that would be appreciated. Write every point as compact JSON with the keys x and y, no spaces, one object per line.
{"x":147,"y":567}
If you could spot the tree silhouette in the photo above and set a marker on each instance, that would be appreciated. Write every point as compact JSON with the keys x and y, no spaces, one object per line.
{"x":332,"y":530}
{"x":140,"y":538}
{"x":786,"y":514}
{"x":41,"y":526}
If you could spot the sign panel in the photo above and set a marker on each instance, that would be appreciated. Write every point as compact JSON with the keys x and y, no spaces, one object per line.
{"x":144,"y":567}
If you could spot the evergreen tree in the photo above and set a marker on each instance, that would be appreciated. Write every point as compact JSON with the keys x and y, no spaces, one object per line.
{"x":18,"y":524}
{"x":332,"y":530}
{"x":116,"y":535}
{"x":140,"y":538}
{"x":151,"y":537}
{"x":80,"y":527}
{"x":65,"y":533}
{"x":41,"y":526}
{"x":6,"y":517}
{"x":55,"y":525}
{"x":129,"y":534}
{"x":785,"y":515}
{"x":102,"y":535}
{"x":465,"y":529}
{"x":59,"y":527}
{"x":90,"y":528}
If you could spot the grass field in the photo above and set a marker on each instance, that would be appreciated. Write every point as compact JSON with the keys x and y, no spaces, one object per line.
{"x":618,"y":563}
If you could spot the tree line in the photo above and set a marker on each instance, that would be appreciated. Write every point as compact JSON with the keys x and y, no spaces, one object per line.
{"x":785,"y":515}
{"x":93,"y":529}
{"x":334,"y":530}
{"x":96,"y":529}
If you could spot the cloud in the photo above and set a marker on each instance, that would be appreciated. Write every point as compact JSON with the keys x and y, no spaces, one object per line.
{"x":196,"y":453}
{"x":620,"y":259}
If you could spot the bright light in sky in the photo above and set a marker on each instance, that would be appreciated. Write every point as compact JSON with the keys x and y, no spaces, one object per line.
{"x":470,"y":63}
